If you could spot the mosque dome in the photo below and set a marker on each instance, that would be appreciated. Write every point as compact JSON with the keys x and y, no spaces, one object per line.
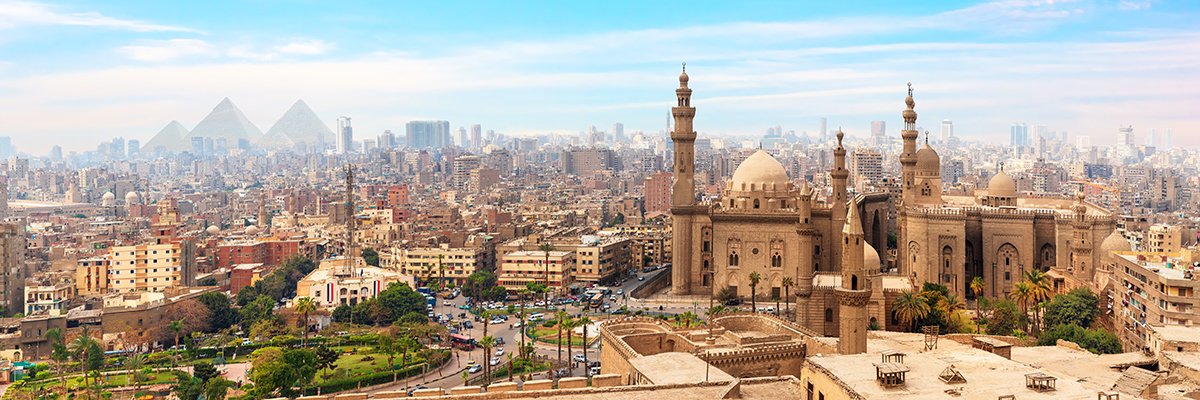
{"x":133,"y":198}
{"x":108,"y":199}
{"x":213,"y":230}
{"x":683,"y":78}
{"x":1002,"y":185}
{"x":928,"y":161}
{"x":870,"y":257}
{"x":1114,"y":242}
{"x":252,"y":230}
{"x":760,"y":171}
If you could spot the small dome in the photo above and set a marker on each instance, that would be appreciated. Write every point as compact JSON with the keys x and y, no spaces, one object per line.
{"x":760,"y":170}
{"x":1114,"y":242}
{"x":683,"y":78}
{"x":870,"y":257}
{"x":213,"y":230}
{"x":133,"y":198}
{"x":928,"y":161}
{"x":109,"y":196}
{"x":252,"y":230}
{"x":1002,"y":185}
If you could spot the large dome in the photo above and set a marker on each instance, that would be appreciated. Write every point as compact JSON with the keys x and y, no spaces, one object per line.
{"x":760,"y":171}
{"x":133,"y":198}
{"x":1002,"y":185}
{"x":870,"y":257}
{"x":1115,"y":242}
{"x":928,"y":161}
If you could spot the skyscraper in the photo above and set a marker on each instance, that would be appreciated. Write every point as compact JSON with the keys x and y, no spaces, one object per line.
{"x":6,"y":148}
{"x":1019,"y":135}
{"x":1083,"y":142}
{"x":821,"y":136}
{"x":345,"y":136}
{"x":1167,"y":140}
{"x":1152,"y":138}
{"x":56,"y":153}
{"x":387,"y":140}
{"x":1125,"y":136}
{"x":118,"y":148}
{"x":462,"y":138}
{"x":947,"y":130}
{"x":426,"y":134}
{"x":476,"y":136}
{"x":619,"y":132}
{"x":134,"y":149}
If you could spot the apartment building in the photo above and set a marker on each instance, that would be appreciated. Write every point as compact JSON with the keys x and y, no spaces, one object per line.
{"x":269,"y":252}
{"x":455,"y":264}
{"x":91,"y":275}
{"x":1154,"y":290}
{"x":1165,"y":239}
{"x":151,"y":267}
{"x":46,"y":296}
{"x":520,"y":267}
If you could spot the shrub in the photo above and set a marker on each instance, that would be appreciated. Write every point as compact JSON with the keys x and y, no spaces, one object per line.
{"x":548,"y":324}
{"x":1003,"y":322}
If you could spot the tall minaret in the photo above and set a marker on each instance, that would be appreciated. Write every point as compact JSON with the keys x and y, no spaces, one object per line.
{"x":683,"y":192}
{"x":837,"y":214}
{"x":908,"y":159}
{"x":1081,"y":244}
{"x":804,"y":272}
{"x":262,"y":208}
{"x":854,"y":293}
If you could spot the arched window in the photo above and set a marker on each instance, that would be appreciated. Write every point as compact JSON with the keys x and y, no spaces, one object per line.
{"x":777,"y":261}
{"x":853,"y":282}
{"x":828,"y":315}
{"x":733,"y":259}
{"x":755,"y":203}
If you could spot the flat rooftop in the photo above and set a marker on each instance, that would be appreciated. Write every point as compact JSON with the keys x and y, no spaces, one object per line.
{"x":671,"y":367}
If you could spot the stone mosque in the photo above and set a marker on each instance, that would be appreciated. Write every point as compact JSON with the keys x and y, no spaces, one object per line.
{"x":764,"y":223}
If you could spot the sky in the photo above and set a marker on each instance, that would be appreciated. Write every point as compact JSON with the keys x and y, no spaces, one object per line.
{"x":76,"y":73}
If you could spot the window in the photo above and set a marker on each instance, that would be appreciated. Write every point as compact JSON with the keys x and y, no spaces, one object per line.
{"x":828,"y":315}
{"x":755,"y":203}
{"x":1007,"y":275}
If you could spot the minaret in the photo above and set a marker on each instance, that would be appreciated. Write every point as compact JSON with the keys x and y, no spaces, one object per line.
{"x":804,"y":272}
{"x":854,"y":293}
{"x":908,"y":158}
{"x":837,"y":213}
{"x":262,"y":209}
{"x":349,"y":204}
{"x":683,"y":192}
{"x":1081,"y":244}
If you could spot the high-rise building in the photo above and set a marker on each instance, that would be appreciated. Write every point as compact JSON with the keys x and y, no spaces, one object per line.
{"x":118,"y":148}
{"x":1167,"y":139}
{"x":12,"y":259}
{"x":1152,"y":138}
{"x":476,"y":136}
{"x":345,"y":136}
{"x":1125,"y":136}
{"x":619,"y":132}
{"x":947,"y":130}
{"x":821,"y":136}
{"x":387,"y":140}
{"x":657,"y":191}
{"x":1019,"y":135}
{"x":462,"y":137}
{"x":866,"y":164}
{"x":1083,"y":141}
{"x":462,"y":169}
{"x":878,"y":128}
{"x":579,"y":161}
{"x":134,"y":148}
{"x":56,"y":153}
{"x":197,"y":146}
{"x":1040,"y":131}
{"x":426,"y":134}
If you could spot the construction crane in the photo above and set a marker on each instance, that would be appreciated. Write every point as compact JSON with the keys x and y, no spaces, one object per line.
{"x":1116,"y":193}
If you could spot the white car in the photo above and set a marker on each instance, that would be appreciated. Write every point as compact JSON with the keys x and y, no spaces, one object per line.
{"x":577,"y":357}
{"x":620,"y":291}
{"x":496,"y":321}
{"x":448,"y":303}
{"x":499,"y":352}
{"x":475,"y":368}
{"x":494,"y":361}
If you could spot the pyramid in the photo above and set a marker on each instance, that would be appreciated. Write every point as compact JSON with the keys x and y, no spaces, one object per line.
{"x":298,"y":124}
{"x":226,"y":121}
{"x":170,"y":138}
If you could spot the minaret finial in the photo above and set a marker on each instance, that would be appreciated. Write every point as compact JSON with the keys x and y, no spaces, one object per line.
{"x":685,"y":66}
{"x":910,"y":89}
{"x":926,"y":137}
{"x":1001,"y":167}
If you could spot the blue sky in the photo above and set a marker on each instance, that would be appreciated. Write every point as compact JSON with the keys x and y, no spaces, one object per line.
{"x":75,"y":73}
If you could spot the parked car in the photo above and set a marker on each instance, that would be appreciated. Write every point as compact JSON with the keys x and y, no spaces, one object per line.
{"x":499,"y":341}
{"x":620,"y":291}
{"x":733,"y":302}
{"x":495,"y":321}
{"x":760,"y":310}
{"x":770,"y":309}
{"x":448,"y":303}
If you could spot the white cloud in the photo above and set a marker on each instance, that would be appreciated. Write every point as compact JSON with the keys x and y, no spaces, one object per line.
{"x":163,"y":50}
{"x":311,"y":47}
{"x":18,"y":13}
{"x":247,"y":52}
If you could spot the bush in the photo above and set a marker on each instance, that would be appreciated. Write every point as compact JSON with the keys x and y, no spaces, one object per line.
{"x":1002,"y":322}
{"x":1077,"y":307}
{"x":548,"y":324}
{"x":1098,"y":341}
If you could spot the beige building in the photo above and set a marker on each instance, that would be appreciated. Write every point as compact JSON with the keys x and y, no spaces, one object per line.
{"x":1166,"y":239}
{"x":336,"y":282}
{"x":520,"y":267}
{"x":455,"y":264}
{"x":46,"y":296}
{"x":91,"y":275}
{"x":151,"y":267}
{"x":1152,"y":290}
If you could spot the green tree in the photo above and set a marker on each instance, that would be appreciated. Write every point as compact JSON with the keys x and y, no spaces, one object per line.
{"x":950,"y":306}
{"x":487,"y":344}
{"x":280,"y":373}
{"x":221,"y":315}
{"x":80,"y":349}
{"x":546,"y":248}
{"x":257,"y":310}
{"x":1077,"y":307}
{"x":909,"y":307}
{"x":216,"y":388}
{"x":754,"y":279}
{"x":176,"y":326}
{"x":204,"y":371}
{"x":58,"y":353}
{"x":561,"y":319}
{"x":134,"y":363}
{"x":304,"y":306}
{"x":1002,"y":322}
{"x":1098,"y":341}
{"x":726,"y":294}
{"x":787,"y":284}
{"x":186,"y":388}
{"x":370,"y":256}
{"x":1039,"y":291}
{"x":584,"y":321}
{"x":1023,"y":293}
{"x":342,"y":313}
{"x":441,"y":271}
{"x":325,"y":358}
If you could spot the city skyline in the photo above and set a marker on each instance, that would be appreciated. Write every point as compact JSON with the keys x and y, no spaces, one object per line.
{"x":1075,"y":66}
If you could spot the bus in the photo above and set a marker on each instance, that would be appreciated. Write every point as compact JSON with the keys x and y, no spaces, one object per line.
{"x":462,"y":342}
{"x":597,"y":299}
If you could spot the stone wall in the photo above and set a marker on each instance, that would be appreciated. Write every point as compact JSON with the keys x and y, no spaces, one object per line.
{"x":653,"y":285}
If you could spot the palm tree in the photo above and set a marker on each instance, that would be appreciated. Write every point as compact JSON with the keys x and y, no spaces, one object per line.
{"x":584,"y":321}
{"x":521,"y":331}
{"x":570,"y":328}
{"x":978,"y":286}
{"x":176,"y":326}
{"x":787,"y":284}
{"x":561,"y":318}
{"x":406,"y":344}
{"x":546,"y":248}
{"x":59,"y":353}
{"x":441,"y":271}
{"x":950,"y":306}
{"x":754,"y":278}
{"x":1039,"y":286}
{"x":135,"y":363}
{"x":488,"y":343}
{"x":81,"y":349}
{"x":510,"y":367}
{"x":910,"y":306}
{"x":306,"y":305}
{"x":1022,"y":292}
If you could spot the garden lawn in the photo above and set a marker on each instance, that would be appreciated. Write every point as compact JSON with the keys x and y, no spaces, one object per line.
{"x":355,"y":365}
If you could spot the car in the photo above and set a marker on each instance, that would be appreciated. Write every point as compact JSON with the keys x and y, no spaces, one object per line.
{"x":536,"y":317}
{"x":474,"y":369}
{"x":464,"y":307}
{"x":410,"y":391}
{"x":620,"y":291}
{"x":594,"y":364}
{"x":594,"y":371}
{"x":495,"y":321}
{"x":499,"y":352}
{"x":499,"y":341}
{"x":760,"y":310}
{"x":494,"y":361}
{"x":771,"y":310}
{"x":448,"y":303}
{"x":515,"y":325}
{"x":620,"y":311}
{"x":641,"y":278}
{"x":577,"y":357}
{"x":733,"y":302}
{"x":469,"y":325}
{"x":539,"y":303}
{"x":612,"y":297}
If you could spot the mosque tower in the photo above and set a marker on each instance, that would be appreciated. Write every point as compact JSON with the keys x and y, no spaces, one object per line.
{"x":908,"y":158}
{"x":854,"y":293}
{"x":683,"y":192}
{"x":806,"y":231}
{"x":839,"y":173}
